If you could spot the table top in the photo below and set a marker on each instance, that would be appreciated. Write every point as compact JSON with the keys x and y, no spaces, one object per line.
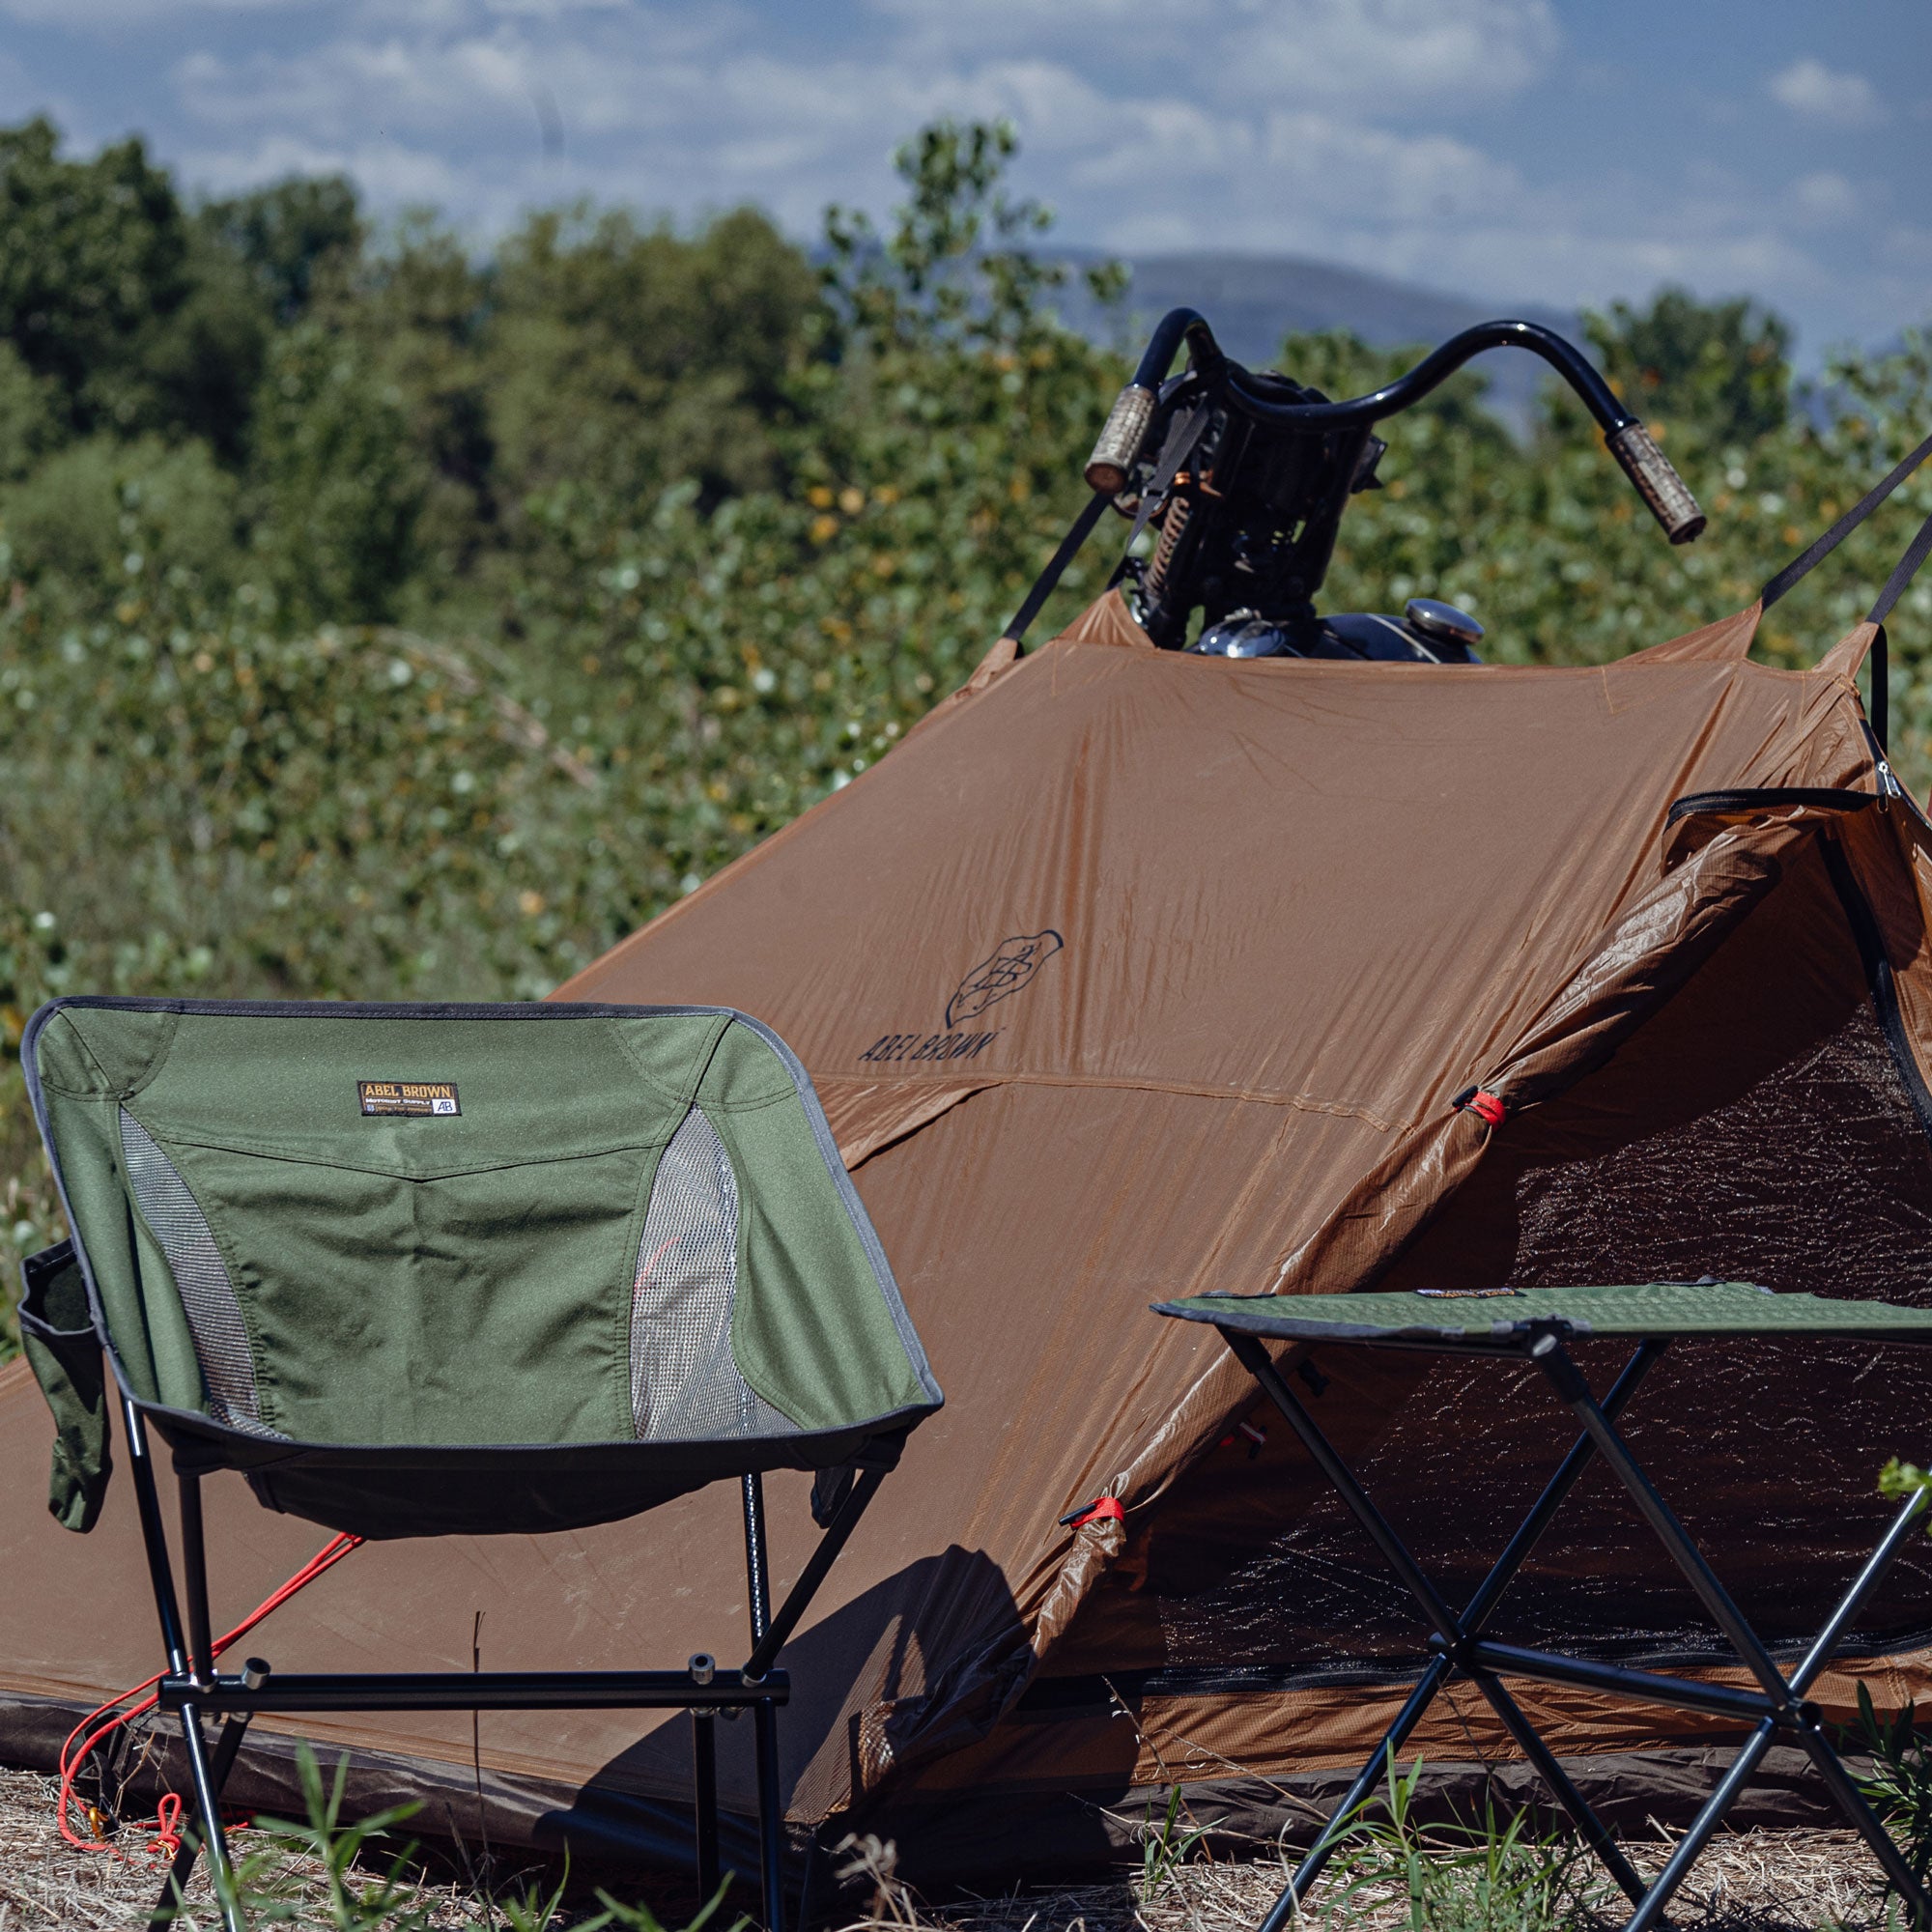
{"x":1657,"y":1310}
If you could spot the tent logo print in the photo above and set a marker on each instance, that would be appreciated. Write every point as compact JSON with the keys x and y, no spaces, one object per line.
{"x":1012,"y":966}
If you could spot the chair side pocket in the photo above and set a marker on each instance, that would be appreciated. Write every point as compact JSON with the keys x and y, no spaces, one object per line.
{"x":64,"y":1352}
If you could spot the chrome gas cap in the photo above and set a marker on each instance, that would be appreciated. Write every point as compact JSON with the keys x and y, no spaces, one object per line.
{"x":1442,"y":622}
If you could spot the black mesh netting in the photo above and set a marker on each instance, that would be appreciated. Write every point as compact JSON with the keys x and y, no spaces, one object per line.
{"x":1757,"y":1128}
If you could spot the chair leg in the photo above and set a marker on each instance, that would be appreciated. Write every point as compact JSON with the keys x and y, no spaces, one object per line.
{"x":208,"y":1804}
{"x":704,"y":1780}
{"x":227,"y":1746}
{"x":764,"y":1714}
{"x":771,"y":1815}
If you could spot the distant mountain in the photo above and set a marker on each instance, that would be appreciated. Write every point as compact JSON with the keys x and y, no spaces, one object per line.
{"x":1254,"y":301}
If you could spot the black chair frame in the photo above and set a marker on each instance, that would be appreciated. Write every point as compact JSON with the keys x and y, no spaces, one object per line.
{"x":1778,"y":1710}
{"x":195,"y":1692}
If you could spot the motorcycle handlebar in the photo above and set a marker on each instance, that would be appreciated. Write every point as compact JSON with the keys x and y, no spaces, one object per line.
{"x":1663,"y":490}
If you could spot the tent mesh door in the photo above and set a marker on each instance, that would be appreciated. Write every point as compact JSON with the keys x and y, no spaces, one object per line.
{"x":1815,"y":1177}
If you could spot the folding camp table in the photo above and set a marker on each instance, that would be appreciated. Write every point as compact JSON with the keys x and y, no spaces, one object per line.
{"x":1532,"y":1325}
{"x":327,"y":1246}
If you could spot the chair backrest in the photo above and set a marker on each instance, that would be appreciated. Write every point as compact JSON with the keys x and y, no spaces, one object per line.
{"x":467,"y":1224}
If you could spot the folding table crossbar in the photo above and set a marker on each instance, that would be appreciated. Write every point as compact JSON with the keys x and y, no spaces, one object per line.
{"x":1532,"y":1327}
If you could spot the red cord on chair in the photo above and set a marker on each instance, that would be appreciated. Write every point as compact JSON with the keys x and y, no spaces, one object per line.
{"x":167,"y":1826}
{"x":72,"y":1758}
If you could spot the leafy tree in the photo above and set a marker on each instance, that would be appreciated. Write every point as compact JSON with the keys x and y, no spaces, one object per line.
{"x":97,"y":511}
{"x":28,"y":416}
{"x":289,"y":235}
{"x":1720,"y":364}
{"x":92,"y":256}
{"x":413,"y":311}
{"x":341,"y":487}
{"x":627,"y":357}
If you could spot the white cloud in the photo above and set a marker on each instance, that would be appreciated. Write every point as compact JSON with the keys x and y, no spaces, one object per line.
{"x":105,"y":16}
{"x":1383,"y":51}
{"x":391,"y":174}
{"x":1827,"y":198}
{"x":1365,"y":132}
{"x":1819,"y":93}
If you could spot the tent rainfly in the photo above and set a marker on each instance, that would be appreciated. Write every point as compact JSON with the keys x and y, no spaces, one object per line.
{"x":1132,"y":976}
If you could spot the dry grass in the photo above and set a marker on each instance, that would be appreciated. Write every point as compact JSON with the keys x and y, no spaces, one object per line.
{"x":1755,"y":1882}
{"x":46,"y":1883}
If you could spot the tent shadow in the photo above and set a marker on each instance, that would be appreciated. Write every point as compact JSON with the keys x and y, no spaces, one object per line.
{"x":870,"y":1655}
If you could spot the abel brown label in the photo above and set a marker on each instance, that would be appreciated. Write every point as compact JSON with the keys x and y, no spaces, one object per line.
{"x":427,"y":1098}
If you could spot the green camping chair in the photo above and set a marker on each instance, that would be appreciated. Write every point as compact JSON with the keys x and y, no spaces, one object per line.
{"x":1530,"y":1329}
{"x":327,"y":1246}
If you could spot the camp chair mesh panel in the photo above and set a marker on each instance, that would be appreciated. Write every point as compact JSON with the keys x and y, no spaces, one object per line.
{"x":685,"y":1384}
{"x":1815,"y":1177}
{"x":208,"y":1296}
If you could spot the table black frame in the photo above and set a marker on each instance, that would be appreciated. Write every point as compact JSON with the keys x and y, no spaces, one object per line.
{"x":1777,"y":1708}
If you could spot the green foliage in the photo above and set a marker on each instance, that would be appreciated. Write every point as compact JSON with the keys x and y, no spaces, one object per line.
{"x":93,"y":261}
{"x":1722,"y":364}
{"x":1166,"y":1845}
{"x":1494,"y":1876}
{"x":369,"y":1882}
{"x":95,"y":511}
{"x":625,"y":358}
{"x":288,"y":236}
{"x":514,"y":598}
{"x":341,"y":484}
{"x":1900,"y":1785}
{"x":387,"y":1903}
{"x":28,"y":416}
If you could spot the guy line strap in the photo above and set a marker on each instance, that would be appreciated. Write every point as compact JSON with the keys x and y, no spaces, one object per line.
{"x":1843,"y":529}
{"x":1908,"y":567}
{"x":1083,"y":528}
{"x":1485,"y":1105}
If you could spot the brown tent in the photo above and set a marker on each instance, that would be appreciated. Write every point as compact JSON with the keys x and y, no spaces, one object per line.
{"x":1130,"y":976}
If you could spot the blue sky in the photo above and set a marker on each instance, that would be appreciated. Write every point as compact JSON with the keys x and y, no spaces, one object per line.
{"x":1539,"y":151}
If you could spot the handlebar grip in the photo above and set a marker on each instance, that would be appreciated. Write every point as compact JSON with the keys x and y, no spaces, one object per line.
{"x":1660,"y":486}
{"x":1121,"y":438}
